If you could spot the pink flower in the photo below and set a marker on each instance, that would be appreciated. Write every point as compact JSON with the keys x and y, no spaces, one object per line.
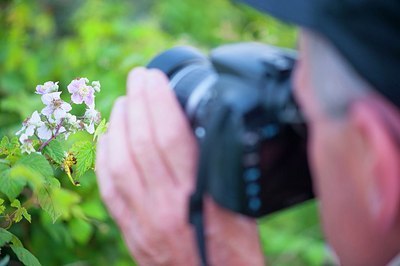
{"x":55,"y":106}
{"x":47,"y":87}
{"x":81,"y":92}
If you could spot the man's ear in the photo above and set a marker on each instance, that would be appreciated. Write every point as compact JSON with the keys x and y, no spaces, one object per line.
{"x":378,"y":142}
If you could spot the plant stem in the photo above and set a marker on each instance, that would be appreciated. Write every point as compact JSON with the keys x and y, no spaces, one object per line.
{"x":44,"y":144}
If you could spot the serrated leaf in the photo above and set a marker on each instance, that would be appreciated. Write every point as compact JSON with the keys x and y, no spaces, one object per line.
{"x":5,"y":237}
{"x":55,"y":151}
{"x":16,"y":203}
{"x":26,"y":215}
{"x":13,"y":152}
{"x":4,"y":145}
{"x":2,"y":207}
{"x":101,"y":129}
{"x":85,"y":155}
{"x":38,"y":163}
{"x":21,"y":212}
{"x":25,"y":256}
{"x":11,"y":186}
{"x":46,"y":201}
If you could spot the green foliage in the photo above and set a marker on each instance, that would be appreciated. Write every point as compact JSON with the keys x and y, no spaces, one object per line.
{"x":57,"y":40}
{"x":55,"y":151}
{"x":25,"y":256}
{"x":5,"y":237}
{"x":20,"y":212}
{"x":45,"y":198}
{"x":84,"y":153}
{"x":101,"y":129}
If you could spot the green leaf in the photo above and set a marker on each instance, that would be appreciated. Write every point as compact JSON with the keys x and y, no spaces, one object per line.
{"x":65,"y":200}
{"x":16,"y":204}
{"x":5,"y":237}
{"x":4,"y":144}
{"x":25,"y":256}
{"x":16,"y":242}
{"x":11,"y":186}
{"x":101,"y":129}
{"x":27,"y":174}
{"x":46,"y":201}
{"x":84,"y":152}
{"x":80,"y":230}
{"x":55,"y":151}
{"x":21,"y":212}
{"x":38,"y":163}
{"x":26,"y":215}
{"x":2,"y":207}
{"x":13,"y":150}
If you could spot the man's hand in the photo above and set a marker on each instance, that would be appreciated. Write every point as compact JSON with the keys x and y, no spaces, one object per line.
{"x":146,"y":164}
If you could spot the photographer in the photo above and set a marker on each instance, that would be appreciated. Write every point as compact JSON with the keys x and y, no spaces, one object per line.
{"x":347,"y":85}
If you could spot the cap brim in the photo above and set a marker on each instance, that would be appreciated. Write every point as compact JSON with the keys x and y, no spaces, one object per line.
{"x":299,"y":12}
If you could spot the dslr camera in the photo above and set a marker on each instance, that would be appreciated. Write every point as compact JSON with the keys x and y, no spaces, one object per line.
{"x":252,"y":135}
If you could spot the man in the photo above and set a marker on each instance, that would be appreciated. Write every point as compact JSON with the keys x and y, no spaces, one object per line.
{"x":347,"y":84}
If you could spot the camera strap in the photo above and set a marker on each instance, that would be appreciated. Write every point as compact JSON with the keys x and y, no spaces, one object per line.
{"x":196,"y":204}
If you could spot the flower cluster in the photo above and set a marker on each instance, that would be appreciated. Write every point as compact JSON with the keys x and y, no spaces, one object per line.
{"x":55,"y":118}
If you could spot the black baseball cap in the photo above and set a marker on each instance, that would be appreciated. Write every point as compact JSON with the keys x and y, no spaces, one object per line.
{"x":366,"y":32}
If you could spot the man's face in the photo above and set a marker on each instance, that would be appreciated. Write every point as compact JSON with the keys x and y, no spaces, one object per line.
{"x":337,"y":177}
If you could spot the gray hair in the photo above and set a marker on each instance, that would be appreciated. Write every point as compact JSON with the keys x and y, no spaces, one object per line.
{"x":336,"y":83}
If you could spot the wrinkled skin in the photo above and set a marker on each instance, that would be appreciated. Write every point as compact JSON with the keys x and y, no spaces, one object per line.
{"x":146,"y":165}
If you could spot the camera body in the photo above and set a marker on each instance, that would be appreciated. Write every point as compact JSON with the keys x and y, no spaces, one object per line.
{"x":251,"y":132}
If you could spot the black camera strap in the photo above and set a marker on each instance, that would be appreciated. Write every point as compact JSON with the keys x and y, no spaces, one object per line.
{"x":196,"y":204}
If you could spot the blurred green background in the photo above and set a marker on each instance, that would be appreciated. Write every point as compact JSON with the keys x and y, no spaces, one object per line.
{"x":59,"y":40}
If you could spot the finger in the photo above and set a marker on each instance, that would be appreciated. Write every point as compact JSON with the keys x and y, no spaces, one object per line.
{"x":127,"y":178}
{"x":114,"y":201}
{"x":173,"y":134}
{"x":152,"y":166}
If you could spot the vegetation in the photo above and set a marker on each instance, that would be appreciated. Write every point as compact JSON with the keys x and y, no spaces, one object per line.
{"x":102,"y":40}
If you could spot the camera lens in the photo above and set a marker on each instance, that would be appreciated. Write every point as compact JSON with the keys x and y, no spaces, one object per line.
{"x":191,"y":77}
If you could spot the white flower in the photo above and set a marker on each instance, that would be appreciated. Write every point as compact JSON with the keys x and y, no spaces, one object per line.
{"x":26,"y":146}
{"x":72,"y":124}
{"x":96,"y":85}
{"x":44,"y":132}
{"x":55,"y":106}
{"x":48,"y":130}
{"x":47,"y":87}
{"x":30,"y":124}
{"x":93,"y":117}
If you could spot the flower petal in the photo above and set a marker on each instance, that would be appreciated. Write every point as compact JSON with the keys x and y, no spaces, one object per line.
{"x":66,"y":106}
{"x":47,"y":111}
{"x":77,"y":98}
{"x":59,"y":114}
{"x":30,"y":130}
{"x":44,"y":132}
{"x":90,"y":128}
{"x":89,"y":100}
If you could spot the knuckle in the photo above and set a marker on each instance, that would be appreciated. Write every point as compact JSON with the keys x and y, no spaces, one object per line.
{"x":135,"y":72}
{"x":156,"y":73}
